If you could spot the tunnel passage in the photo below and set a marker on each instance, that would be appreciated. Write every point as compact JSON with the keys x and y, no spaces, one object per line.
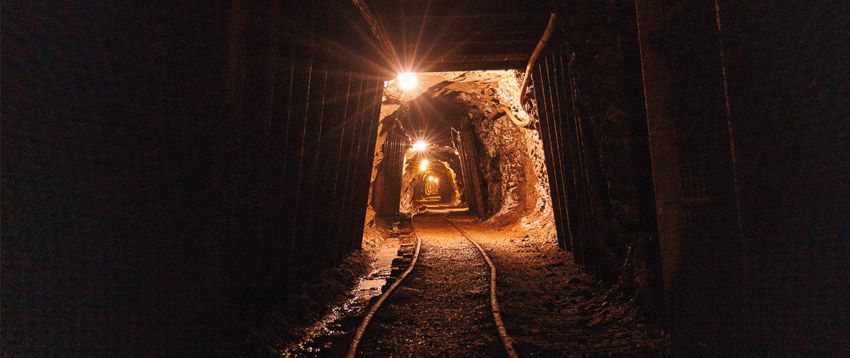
{"x":435,"y":184}
{"x":185,"y":177}
{"x":455,"y":129}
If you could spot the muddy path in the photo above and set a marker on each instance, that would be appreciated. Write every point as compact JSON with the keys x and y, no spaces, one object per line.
{"x":443,"y":308}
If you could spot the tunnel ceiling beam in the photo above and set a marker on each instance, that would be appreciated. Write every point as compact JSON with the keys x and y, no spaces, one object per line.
{"x":378,"y":30}
{"x":452,"y":36}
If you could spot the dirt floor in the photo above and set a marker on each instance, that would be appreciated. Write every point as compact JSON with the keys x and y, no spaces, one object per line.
{"x":550,"y":306}
{"x":442,"y":309}
{"x":553,"y":309}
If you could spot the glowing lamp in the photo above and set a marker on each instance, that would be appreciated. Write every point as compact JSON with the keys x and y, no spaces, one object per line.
{"x":420,"y":146}
{"x":407,"y":81}
{"x":423,"y":165}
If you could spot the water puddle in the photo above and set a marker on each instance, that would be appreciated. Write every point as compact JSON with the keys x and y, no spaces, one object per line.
{"x":330,"y":336}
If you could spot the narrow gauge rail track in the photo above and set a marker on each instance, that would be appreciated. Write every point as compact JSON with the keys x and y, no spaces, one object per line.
{"x":494,"y":303}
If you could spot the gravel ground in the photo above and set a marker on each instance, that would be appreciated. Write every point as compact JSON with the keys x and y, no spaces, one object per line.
{"x":553,"y":309}
{"x":442,"y":309}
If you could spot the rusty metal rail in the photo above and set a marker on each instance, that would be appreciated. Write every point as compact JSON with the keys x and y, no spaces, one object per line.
{"x":358,"y":335}
{"x":494,"y":302}
{"x":506,"y":340}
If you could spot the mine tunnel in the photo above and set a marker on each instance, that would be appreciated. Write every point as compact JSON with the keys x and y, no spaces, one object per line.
{"x":426,"y":178}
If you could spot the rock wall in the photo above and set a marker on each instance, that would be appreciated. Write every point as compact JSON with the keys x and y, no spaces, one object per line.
{"x":510,"y":159}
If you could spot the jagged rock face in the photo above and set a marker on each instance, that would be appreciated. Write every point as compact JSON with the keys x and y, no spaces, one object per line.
{"x":510,"y":158}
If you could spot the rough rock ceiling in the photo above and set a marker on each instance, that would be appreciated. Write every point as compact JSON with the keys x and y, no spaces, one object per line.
{"x":451,"y":35}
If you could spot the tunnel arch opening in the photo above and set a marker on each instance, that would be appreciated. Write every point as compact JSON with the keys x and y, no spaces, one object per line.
{"x":461,"y":123}
{"x":450,"y":148}
{"x":434,"y":186}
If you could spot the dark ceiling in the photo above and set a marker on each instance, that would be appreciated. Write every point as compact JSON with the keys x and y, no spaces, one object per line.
{"x":447,"y":35}
{"x":431,"y":118}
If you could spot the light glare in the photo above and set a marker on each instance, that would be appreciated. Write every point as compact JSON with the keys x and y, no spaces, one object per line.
{"x":407,"y":81}
{"x":420,"y":146}
{"x":423,"y":165}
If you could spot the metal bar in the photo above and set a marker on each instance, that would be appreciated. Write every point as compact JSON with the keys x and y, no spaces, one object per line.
{"x":547,"y":118}
{"x":531,"y":61}
{"x":555,"y":86}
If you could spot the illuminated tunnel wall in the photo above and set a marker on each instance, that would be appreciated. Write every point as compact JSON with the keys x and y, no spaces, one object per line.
{"x":445,"y":183}
{"x":434,"y":120}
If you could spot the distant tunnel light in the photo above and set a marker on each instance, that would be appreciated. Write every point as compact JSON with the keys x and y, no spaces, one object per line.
{"x":423,"y":165}
{"x":420,"y":146}
{"x":407,"y":81}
